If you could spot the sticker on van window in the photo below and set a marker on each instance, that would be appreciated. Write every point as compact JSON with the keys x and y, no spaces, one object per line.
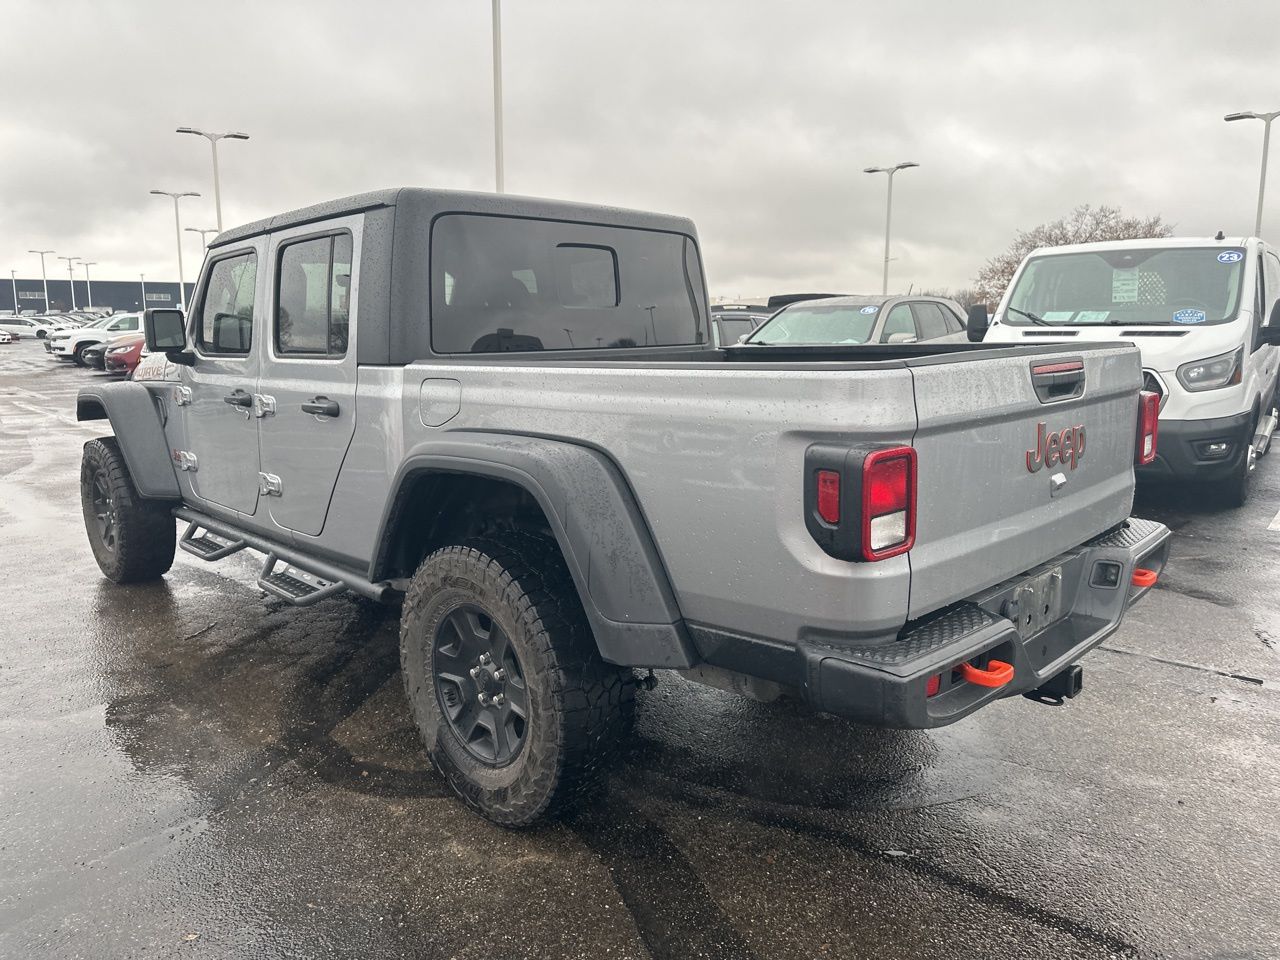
{"x":1092,"y":316}
{"x":870,"y":309}
{"x":1058,"y":316}
{"x":1124,"y":285}
{"x":1231,"y":256}
{"x":1189,"y":315}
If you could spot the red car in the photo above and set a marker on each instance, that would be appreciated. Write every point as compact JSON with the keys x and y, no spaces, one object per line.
{"x":123,"y":353}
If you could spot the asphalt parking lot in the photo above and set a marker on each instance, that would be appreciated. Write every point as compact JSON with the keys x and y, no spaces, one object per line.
{"x":193,"y":771}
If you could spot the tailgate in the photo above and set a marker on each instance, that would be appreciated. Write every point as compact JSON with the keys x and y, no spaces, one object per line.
{"x":982,"y":514}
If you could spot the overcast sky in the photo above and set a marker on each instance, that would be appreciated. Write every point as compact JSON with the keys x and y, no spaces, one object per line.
{"x":753,"y":118}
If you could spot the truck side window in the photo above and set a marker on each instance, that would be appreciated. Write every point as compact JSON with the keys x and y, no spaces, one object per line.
{"x":226,"y":312}
{"x":517,"y":284}
{"x":313,"y":288}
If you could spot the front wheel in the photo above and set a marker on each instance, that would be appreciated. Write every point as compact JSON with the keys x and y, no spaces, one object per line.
{"x":508,"y":691}
{"x":132,"y":539}
{"x":1234,"y":490}
{"x":78,"y":357}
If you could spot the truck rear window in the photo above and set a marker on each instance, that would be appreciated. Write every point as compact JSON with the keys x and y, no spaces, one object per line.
{"x":505,"y":284}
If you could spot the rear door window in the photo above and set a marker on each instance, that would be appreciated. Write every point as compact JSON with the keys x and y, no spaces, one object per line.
{"x":226,"y":310}
{"x":313,"y":287}
{"x":505,"y":284}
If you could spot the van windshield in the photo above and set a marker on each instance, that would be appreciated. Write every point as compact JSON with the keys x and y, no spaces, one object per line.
{"x":1163,"y":285}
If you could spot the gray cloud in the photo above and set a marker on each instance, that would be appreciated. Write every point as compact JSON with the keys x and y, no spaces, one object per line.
{"x":755,"y":119}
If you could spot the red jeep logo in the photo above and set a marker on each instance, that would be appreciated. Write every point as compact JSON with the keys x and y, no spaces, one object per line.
{"x":1053,"y":448}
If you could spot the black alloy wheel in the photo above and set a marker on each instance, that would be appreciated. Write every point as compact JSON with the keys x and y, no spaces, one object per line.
{"x":480,"y":685}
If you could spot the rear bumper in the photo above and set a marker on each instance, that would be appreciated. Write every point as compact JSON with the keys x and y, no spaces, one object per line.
{"x":887,"y":683}
{"x":1182,"y":454}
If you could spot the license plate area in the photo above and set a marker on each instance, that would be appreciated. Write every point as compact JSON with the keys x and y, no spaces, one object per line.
{"x":1036,"y":603}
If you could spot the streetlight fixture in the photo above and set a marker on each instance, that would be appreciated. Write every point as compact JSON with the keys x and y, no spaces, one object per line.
{"x":213,"y":139}
{"x":43,"y":278}
{"x":87,"y":282}
{"x":72,"y":277}
{"x":497,"y":93}
{"x":888,"y":216}
{"x":177,"y":232}
{"x":202,"y":233}
{"x":1266,"y":119}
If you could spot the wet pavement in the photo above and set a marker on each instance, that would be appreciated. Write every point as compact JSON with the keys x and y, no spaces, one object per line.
{"x":193,"y":771}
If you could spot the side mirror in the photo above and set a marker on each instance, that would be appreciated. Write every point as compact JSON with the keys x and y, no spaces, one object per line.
{"x":165,"y":332}
{"x":902,"y":338}
{"x":977,"y":323}
{"x":1270,"y":334}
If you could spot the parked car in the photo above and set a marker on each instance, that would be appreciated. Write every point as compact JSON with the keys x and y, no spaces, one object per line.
{"x":19,"y":327}
{"x":1206,"y":315}
{"x":733,"y":321}
{"x":123,"y":353}
{"x":863,"y":320}
{"x":563,"y":479}
{"x":6,"y":337}
{"x":71,"y":344}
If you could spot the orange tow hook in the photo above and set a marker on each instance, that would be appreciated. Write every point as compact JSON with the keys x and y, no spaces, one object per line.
{"x":1144,"y":578}
{"x":997,"y":673}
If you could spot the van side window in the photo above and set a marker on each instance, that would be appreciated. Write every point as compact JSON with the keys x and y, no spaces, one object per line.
{"x":313,"y":287}
{"x":226,"y":311}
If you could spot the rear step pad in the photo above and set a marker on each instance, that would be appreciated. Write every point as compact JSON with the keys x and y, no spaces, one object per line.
{"x":208,"y":546}
{"x":296,"y":586}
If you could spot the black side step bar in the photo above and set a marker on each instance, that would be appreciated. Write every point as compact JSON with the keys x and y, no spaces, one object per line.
{"x":208,"y":546}
{"x":317,"y":569}
{"x":295,"y":585}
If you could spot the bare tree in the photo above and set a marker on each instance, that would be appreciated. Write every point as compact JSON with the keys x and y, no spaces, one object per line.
{"x":1084,"y":224}
{"x":965,"y":296}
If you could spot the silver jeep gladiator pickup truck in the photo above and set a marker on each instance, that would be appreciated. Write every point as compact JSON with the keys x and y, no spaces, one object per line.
{"x":509,"y":415}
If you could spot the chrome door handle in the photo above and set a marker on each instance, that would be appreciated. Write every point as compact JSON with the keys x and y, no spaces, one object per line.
{"x":321,"y":407}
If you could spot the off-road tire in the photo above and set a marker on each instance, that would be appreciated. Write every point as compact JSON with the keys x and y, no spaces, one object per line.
{"x":579,"y":706}
{"x":144,"y":532}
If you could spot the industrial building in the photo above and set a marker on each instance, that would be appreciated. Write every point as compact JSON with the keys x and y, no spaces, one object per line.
{"x":116,"y":294}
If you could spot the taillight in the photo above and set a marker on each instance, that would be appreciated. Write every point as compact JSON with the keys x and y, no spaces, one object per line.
{"x":1148,"y":424}
{"x":860,"y":501}
{"x":829,"y":496}
{"x":888,"y":503}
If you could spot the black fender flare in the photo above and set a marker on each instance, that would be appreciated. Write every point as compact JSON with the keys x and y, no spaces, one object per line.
{"x":594,"y":515}
{"x":135,"y":419}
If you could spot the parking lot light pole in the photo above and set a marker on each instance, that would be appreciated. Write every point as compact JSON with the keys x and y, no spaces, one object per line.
{"x":1266,"y":119}
{"x":177,"y":231}
{"x":13,"y":279}
{"x":87,"y":282}
{"x":213,"y":139}
{"x":43,"y":277}
{"x":202,"y":233}
{"x":497,"y":94}
{"x":888,"y":214}
{"x":72,"y":277}
{"x":142,"y":278}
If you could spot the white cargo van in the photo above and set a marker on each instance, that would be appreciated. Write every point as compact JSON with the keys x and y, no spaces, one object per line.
{"x":1204,"y":313}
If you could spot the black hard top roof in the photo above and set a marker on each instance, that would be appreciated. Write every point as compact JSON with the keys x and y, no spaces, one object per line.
{"x":440,"y":201}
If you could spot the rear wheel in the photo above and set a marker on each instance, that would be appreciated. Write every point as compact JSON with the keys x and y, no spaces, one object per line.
{"x":132,"y":539}
{"x":509,"y":693}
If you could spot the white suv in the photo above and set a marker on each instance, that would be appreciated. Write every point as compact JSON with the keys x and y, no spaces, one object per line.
{"x":21,"y":327}
{"x":71,"y":344}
